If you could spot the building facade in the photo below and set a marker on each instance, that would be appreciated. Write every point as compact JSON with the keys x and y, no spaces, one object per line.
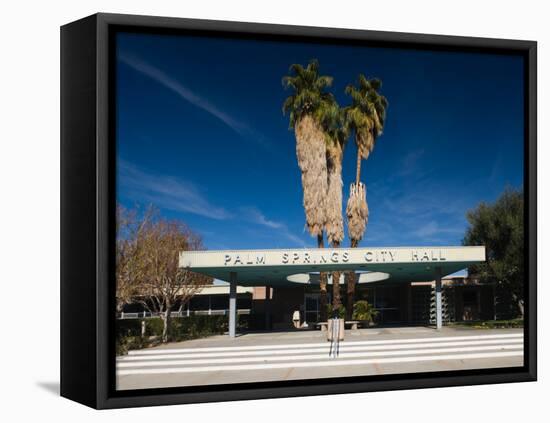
{"x":390,"y":278}
{"x":413,"y":303}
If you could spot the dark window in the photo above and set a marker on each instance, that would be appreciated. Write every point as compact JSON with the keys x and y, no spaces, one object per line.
{"x":244,"y":302}
{"x":199,"y":302}
{"x":469,"y":297}
{"x":219,"y":302}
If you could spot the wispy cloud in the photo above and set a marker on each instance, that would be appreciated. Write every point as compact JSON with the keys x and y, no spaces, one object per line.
{"x":424,"y":213}
{"x":408,"y":168}
{"x":413,"y":206}
{"x":166,"y":192}
{"x":410,"y":163}
{"x":433,"y":229}
{"x":197,"y":100}
{"x":258,"y":217}
{"x":255,"y":216}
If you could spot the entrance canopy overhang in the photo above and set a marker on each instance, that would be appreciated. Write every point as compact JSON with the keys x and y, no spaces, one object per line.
{"x":299,"y":267}
{"x":292,"y":267}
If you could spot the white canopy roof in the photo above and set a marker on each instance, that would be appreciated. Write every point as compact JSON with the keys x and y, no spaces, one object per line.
{"x":301,"y":266}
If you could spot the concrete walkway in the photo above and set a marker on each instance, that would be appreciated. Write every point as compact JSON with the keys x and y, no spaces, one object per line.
{"x":301,"y":354}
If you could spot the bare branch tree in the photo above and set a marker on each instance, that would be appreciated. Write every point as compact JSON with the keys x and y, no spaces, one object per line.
{"x":129,"y":270}
{"x":149,"y":271}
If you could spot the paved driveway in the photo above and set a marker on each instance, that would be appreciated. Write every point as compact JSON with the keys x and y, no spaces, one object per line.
{"x":308,"y":355}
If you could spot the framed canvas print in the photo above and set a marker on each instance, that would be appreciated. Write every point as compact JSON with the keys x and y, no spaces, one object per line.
{"x":258,"y":211}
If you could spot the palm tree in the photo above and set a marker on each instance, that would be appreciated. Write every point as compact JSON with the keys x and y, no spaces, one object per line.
{"x":365,"y":117}
{"x":307,"y":107}
{"x":336,"y":137}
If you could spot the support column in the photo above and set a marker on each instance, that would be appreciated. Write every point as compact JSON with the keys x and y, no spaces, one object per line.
{"x":494,"y":302}
{"x":267,"y":308}
{"x":438,"y":302}
{"x":232,"y":304}
{"x":409,"y":303}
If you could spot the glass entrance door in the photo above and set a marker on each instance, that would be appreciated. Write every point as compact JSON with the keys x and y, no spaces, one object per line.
{"x":311,"y":308}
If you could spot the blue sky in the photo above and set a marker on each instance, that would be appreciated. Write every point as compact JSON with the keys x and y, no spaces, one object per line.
{"x":201,"y":135}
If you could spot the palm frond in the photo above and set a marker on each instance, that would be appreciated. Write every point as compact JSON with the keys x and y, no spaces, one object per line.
{"x":367,"y":113}
{"x":310,"y":95}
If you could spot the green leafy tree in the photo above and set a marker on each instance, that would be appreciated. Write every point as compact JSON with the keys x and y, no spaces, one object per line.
{"x":499,"y":227}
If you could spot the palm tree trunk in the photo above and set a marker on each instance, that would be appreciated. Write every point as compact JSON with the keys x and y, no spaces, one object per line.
{"x":350,"y":276}
{"x":351,"y":281}
{"x":350,"y":294}
{"x":358,"y":167}
{"x":336,"y":300}
{"x":323,"y":279}
{"x":311,"y":156}
{"x":334,"y":221}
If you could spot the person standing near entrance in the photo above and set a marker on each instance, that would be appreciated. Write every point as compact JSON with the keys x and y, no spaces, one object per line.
{"x":296,"y":318}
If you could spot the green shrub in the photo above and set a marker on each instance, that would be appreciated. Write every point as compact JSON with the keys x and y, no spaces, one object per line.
{"x":491,"y":324}
{"x":126,"y":343}
{"x":341,"y":311}
{"x":153,"y":326}
{"x":122,"y":345}
{"x":362,"y":310}
{"x":128,"y":327}
{"x":128,"y":331}
{"x":192,"y":327}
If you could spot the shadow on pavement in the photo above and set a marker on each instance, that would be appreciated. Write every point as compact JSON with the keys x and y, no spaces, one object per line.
{"x":51,"y":387}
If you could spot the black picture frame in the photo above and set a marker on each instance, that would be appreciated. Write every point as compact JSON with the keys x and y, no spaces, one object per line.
{"x":88,"y":204}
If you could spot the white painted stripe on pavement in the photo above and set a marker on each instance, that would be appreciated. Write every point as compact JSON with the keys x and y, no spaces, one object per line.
{"x":311,"y":344}
{"x":325,"y":347}
{"x":335,"y":362}
{"x":342,"y":355}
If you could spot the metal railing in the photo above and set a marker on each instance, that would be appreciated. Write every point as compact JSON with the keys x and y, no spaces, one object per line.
{"x":182,"y":313}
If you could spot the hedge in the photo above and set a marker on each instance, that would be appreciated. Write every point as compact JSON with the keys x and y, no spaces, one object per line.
{"x":491,"y":324}
{"x":128,"y":331}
